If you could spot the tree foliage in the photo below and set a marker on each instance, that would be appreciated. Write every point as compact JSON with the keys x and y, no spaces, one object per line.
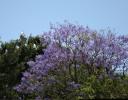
{"x":78,"y":63}
{"x":13,"y":58}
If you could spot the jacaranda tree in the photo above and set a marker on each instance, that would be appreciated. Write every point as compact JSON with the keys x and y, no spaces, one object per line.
{"x":74,"y":64}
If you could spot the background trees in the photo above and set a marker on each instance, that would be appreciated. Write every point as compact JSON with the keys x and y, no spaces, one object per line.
{"x":13,"y":58}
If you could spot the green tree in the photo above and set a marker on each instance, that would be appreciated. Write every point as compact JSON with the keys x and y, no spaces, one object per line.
{"x":13,"y":58}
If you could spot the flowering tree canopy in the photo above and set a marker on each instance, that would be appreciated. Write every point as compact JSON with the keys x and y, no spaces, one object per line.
{"x":70,"y":48}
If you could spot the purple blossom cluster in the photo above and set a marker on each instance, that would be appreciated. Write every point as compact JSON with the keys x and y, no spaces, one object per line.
{"x":72,"y":45}
{"x":50,"y":60}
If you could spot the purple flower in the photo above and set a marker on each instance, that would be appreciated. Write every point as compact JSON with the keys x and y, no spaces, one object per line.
{"x":31,"y":63}
{"x":74,"y":85}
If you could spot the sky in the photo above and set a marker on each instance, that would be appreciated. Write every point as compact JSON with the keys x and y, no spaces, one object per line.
{"x":34,"y":16}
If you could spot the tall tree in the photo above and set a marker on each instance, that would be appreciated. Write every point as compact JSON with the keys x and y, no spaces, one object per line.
{"x":74,"y":53}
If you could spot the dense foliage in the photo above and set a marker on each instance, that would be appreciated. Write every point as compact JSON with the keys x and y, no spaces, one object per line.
{"x":13,"y":58}
{"x":78,"y":63}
